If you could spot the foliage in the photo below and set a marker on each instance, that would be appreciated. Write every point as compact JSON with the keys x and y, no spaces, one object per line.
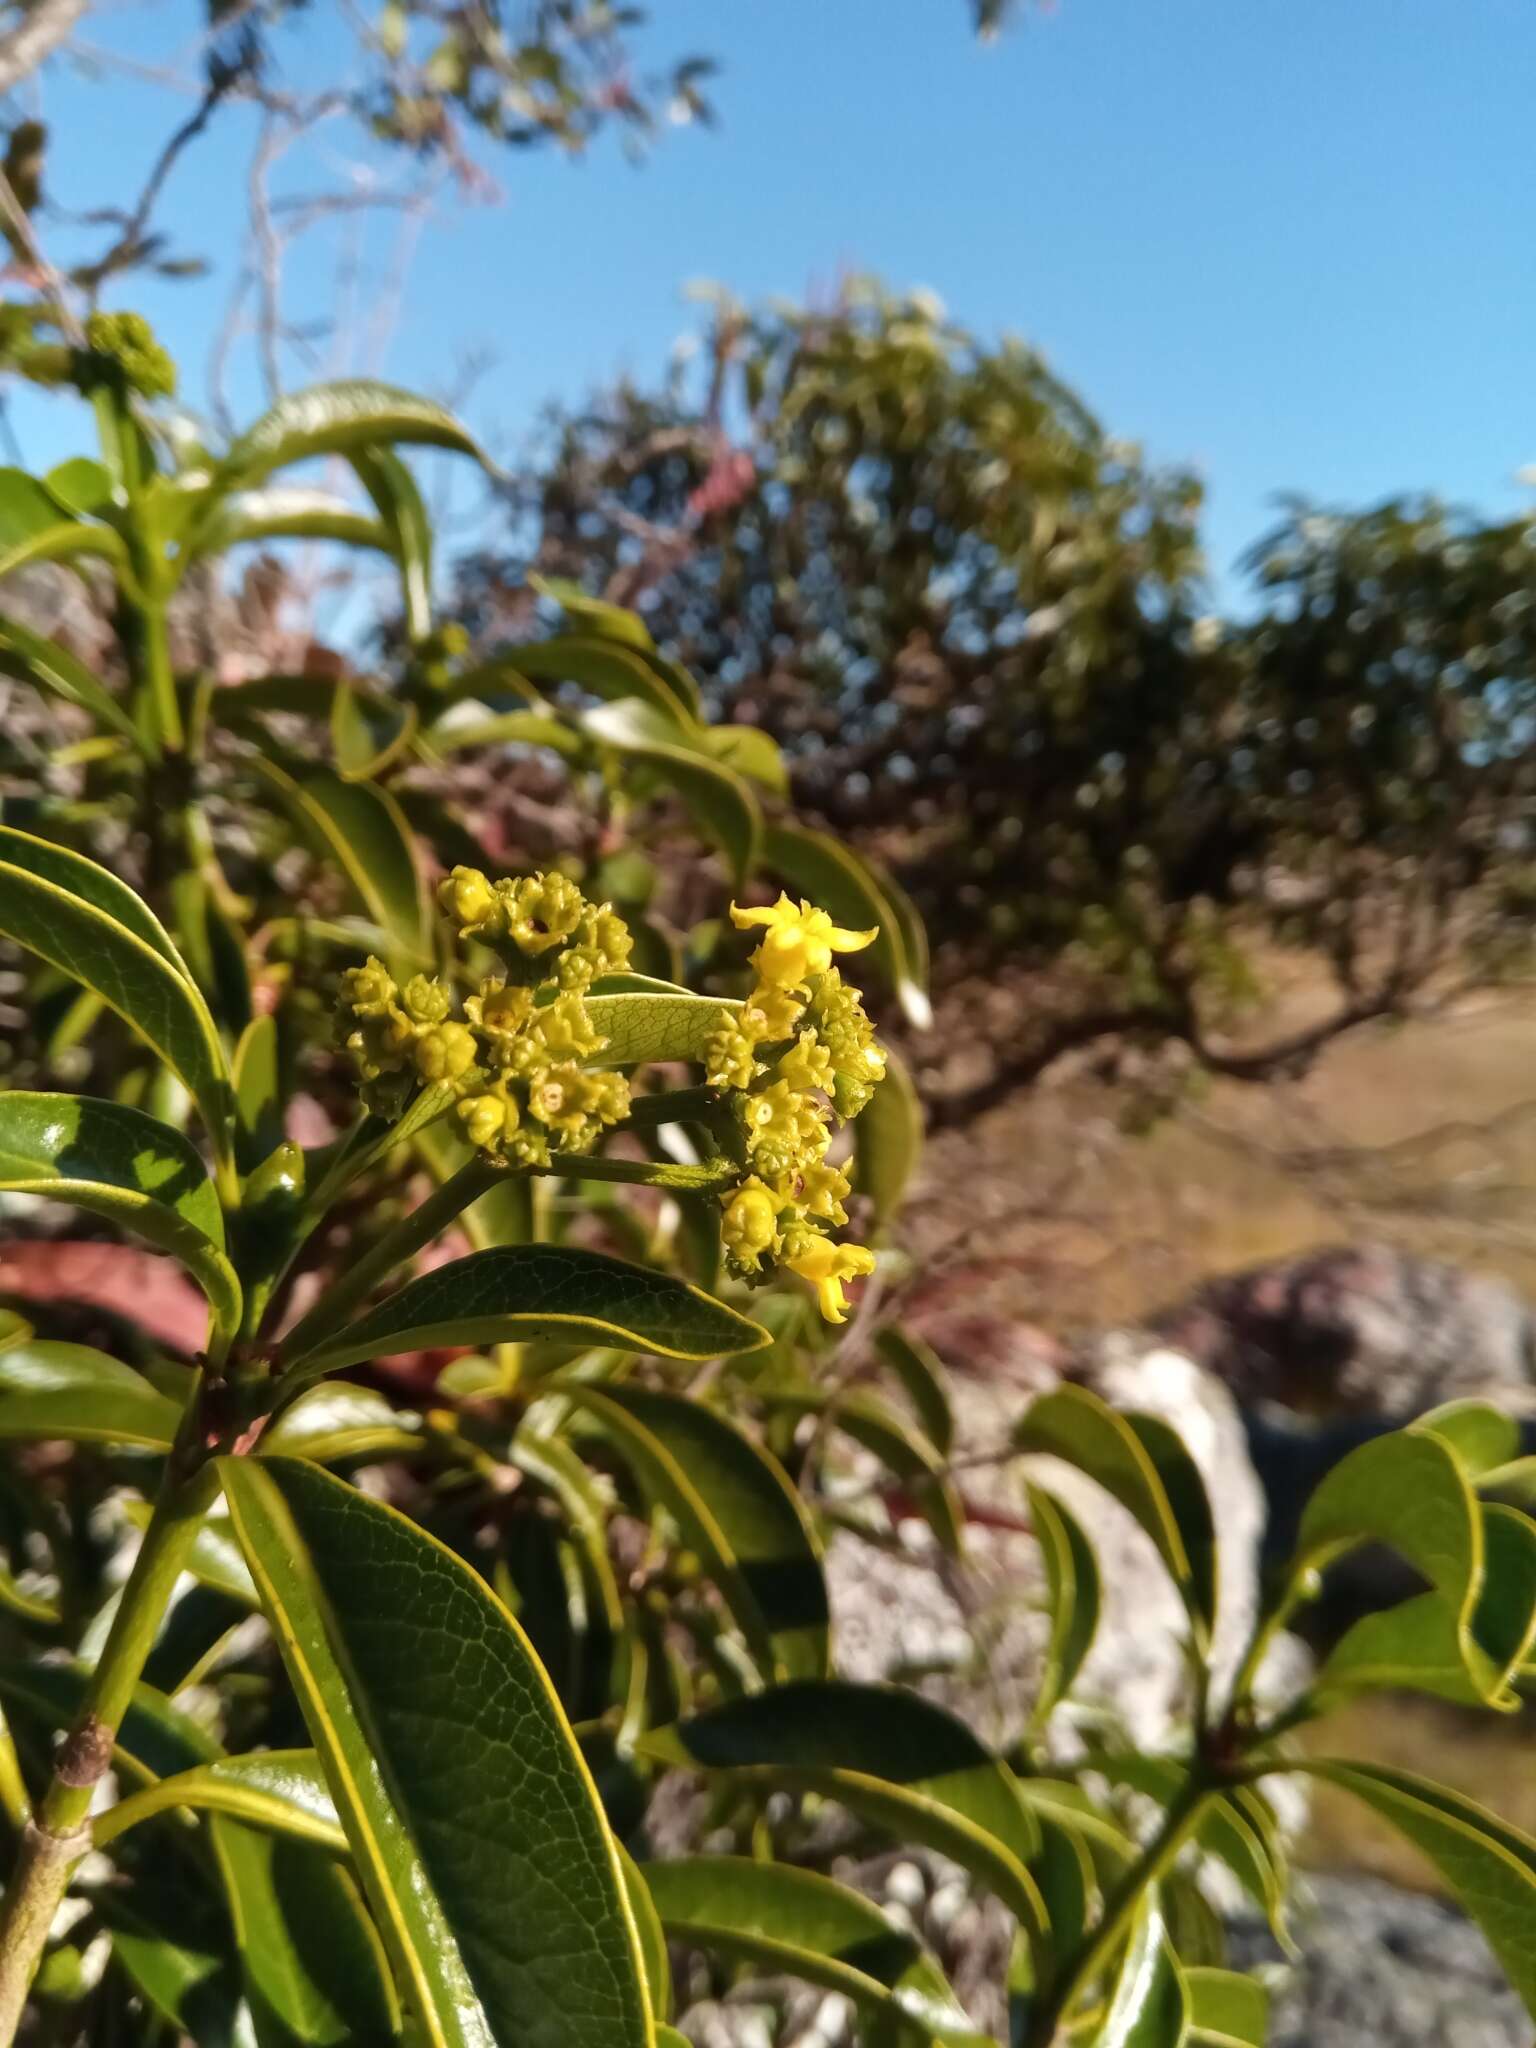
{"x":409,"y":1653}
{"x":975,"y":622}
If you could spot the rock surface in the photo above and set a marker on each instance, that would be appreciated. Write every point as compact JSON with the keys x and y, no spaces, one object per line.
{"x":1384,"y":1968}
{"x":1367,"y":1330}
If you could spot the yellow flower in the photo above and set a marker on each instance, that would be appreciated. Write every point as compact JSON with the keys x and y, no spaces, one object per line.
{"x":807,"y":1065}
{"x":827,"y":1266}
{"x":799,"y":940}
{"x":750,"y":1225}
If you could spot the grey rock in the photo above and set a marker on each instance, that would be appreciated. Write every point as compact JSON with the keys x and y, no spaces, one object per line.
{"x":1360,"y":1331}
{"x":1385,"y":1967}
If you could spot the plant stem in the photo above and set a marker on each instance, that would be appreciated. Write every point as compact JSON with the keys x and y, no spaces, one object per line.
{"x":426,"y":1221}
{"x":57,"y":1836}
{"x":1179,"y":1824}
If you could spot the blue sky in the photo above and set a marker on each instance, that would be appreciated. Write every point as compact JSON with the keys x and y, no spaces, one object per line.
{"x":1290,"y":244}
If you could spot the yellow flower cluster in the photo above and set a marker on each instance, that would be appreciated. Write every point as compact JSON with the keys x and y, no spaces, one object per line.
{"x":799,"y":1055}
{"x":515,"y":1059}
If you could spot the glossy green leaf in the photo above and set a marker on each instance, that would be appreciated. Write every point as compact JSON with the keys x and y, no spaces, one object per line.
{"x":653,"y":1937}
{"x":171,"y":1937}
{"x":1226,"y":2009}
{"x":736,"y":1507}
{"x":659,"y":1023}
{"x":1481,"y":1437}
{"x":34,"y":658}
{"x":1074,"y":1597}
{"x":513,"y":1292}
{"x":340,"y":1421}
{"x":1407,"y":1490}
{"x":257,"y":1080}
{"x":719,"y":801}
{"x":401,"y":511}
{"x":337,"y":419}
{"x":601,"y":666}
{"x":800,"y":1924}
{"x":364,"y":831}
{"x":751,"y":752}
{"x":1148,"y":2001}
{"x":1489,"y":1866}
{"x":921,"y":1373}
{"x":832,"y":875}
{"x":368,"y":731}
{"x":888,"y":1139}
{"x":126,"y":1166}
{"x":455,"y":1775}
{"x":75,"y":915}
{"x":313,"y":1967}
{"x":81,"y":486}
{"x":900,"y":1762}
{"x":1142,"y":1463}
{"x":289,"y":514}
{"x":507,"y":728}
{"x":608,"y":622}
{"x":73,"y":1393}
{"x":282,"y":1790}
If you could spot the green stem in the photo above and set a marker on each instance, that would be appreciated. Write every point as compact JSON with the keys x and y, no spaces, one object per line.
{"x":429,"y":1219}
{"x":1179,"y":1825}
{"x":57,"y":1836}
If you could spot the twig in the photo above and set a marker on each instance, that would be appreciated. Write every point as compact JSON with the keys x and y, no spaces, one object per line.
{"x":51,"y":281}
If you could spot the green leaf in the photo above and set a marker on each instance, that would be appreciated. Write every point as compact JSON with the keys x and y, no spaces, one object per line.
{"x":364,"y":831}
{"x":1481,"y":1437}
{"x":606,"y":621}
{"x":393,"y":490}
{"x":720,"y":803}
{"x":368,"y":730}
{"x":921,"y":1372}
{"x":893,"y":1758}
{"x":340,"y":1421}
{"x":750,"y":752}
{"x":34,"y":658}
{"x":1074,"y":1595}
{"x":1226,"y":2009}
{"x":1407,"y":1490}
{"x":26,"y":508}
{"x":215,"y":1559}
{"x":601,"y":666}
{"x":314,"y":1969}
{"x":472,"y":1819}
{"x":888,"y":1139}
{"x":659,"y":1023}
{"x":508,"y":728}
{"x":653,"y":1937}
{"x":833,"y":876}
{"x":800,"y":1924}
{"x":705,"y":1177}
{"x":337,"y":419}
{"x":1148,"y":2003}
{"x":282,"y":1790}
{"x":126,"y":1166}
{"x":81,"y":1396}
{"x":257,"y":1080}
{"x":288,"y":514}
{"x":82,"y":486}
{"x":1142,"y":1463}
{"x":75,"y":915}
{"x":1489,"y":1866}
{"x":736,"y":1507}
{"x":510,"y":1293}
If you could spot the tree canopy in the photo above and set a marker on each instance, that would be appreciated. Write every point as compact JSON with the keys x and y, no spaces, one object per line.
{"x":979,"y":624}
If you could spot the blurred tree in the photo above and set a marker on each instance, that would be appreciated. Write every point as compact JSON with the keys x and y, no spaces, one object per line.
{"x":975,"y":621}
